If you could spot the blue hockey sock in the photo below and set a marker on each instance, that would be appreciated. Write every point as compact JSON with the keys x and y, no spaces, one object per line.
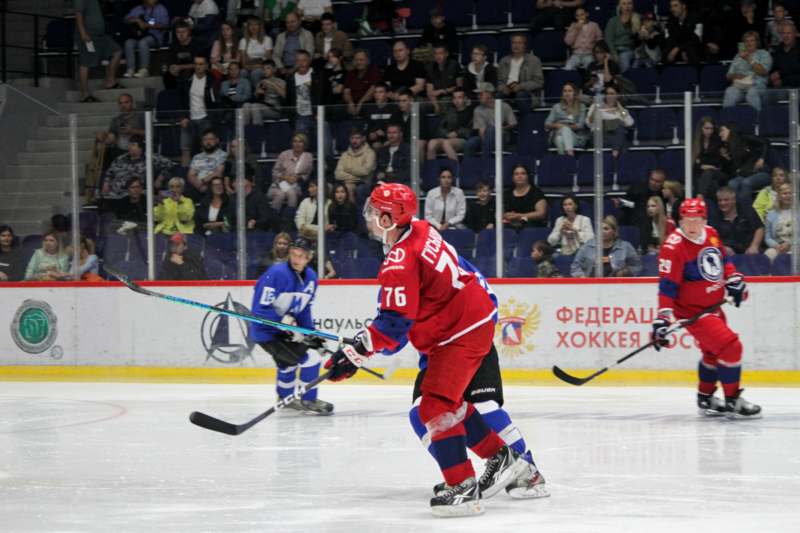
{"x":309,"y":371}
{"x":497,"y":419}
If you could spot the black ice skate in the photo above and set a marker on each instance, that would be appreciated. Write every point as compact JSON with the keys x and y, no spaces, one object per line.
{"x":710,"y":405}
{"x":502,"y":469}
{"x":315,"y":407}
{"x":529,"y":485}
{"x":738,"y":408}
{"x":293,"y":406}
{"x":461,"y":500}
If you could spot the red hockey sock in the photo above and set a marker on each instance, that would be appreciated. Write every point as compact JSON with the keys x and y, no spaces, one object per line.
{"x":729,"y":367}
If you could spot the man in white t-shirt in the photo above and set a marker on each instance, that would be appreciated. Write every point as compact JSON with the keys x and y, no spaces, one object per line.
{"x":200,"y":95}
{"x":519,"y":75}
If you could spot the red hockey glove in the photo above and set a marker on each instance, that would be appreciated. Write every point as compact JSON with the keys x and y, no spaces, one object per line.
{"x":345,"y":362}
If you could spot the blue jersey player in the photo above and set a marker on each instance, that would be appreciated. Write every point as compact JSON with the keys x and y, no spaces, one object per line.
{"x":284,"y":293}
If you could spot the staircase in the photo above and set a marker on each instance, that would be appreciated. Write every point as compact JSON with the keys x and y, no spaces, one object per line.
{"x":39,"y":185}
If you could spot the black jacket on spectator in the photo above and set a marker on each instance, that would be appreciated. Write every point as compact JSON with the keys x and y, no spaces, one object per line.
{"x":684,"y":36}
{"x":457,"y":121}
{"x":256,"y":207}
{"x":376,"y":118}
{"x":13,"y":264}
{"x":471,"y":83}
{"x":124,"y":209}
{"x":337,"y":110}
{"x":424,"y":132}
{"x":787,"y":64}
{"x":344,"y":218}
{"x":397,"y":79}
{"x":211,"y":95}
{"x":710,"y":156}
{"x":443,"y":78}
{"x":447,"y":34}
{"x":181,"y":55}
{"x":479,"y":216}
{"x":751,"y":149}
{"x":734,"y":28}
{"x":202,"y":215}
{"x":192,"y":268}
{"x":738,"y":233}
{"x":638,"y":193}
{"x":401,"y":163}
{"x":317,"y":92}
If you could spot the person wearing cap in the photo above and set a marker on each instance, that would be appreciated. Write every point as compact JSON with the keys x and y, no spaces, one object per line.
{"x":284,"y":293}
{"x":182,"y":263}
{"x":648,"y":41}
{"x":484,"y":125}
{"x":519,"y":75}
{"x":175,"y":213}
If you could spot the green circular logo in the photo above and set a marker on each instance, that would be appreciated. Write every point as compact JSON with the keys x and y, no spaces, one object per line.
{"x":34,"y":326}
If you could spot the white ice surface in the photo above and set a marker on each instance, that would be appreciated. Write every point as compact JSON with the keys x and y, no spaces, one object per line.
{"x":124,"y":457}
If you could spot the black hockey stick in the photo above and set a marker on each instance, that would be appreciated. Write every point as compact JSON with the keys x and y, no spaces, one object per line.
{"x":288,"y":327}
{"x":572,"y":380}
{"x":365,"y":369}
{"x":215,"y":424}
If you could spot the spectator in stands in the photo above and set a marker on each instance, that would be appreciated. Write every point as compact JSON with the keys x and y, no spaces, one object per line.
{"x":572,"y":230}
{"x":654,"y":228}
{"x":484,"y":125}
{"x":546,"y":267}
{"x":290,"y":173}
{"x":269,"y":96}
{"x":737,"y":223}
{"x":342,"y":213}
{"x":555,"y":13}
{"x":648,"y":43}
{"x":199,"y":95}
{"x":778,"y":231}
{"x":129,"y":122}
{"x":454,"y":129}
{"x":235,"y":91}
{"x":312,"y":11}
{"x":12,"y":260}
{"x":289,"y":44}
{"x":359,"y":83}
{"x":672,"y":193}
{"x":146,"y":24}
{"x":393,"y":162}
{"x":224,"y":51}
{"x":239,"y":11}
{"x":519,"y":75}
{"x":330,"y":38}
{"x":306,"y":216}
{"x":581,"y":37}
{"x":785,"y":65}
{"x":210,"y":163}
{"x":567,"y":121}
{"x":182,"y":263}
{"x":745,"y":156}
{"x":616,"y":120}
{"x":524,"y":203}
{"x":634,"y":204}
{"x":182,"y":52}
{"x":217,"y":212}
{"x":481,"y":214}
{"x":404,"y":72}
{"x":254,"y":48}
{"x":479,"y":70}
{"x":443,"y":75}
{"x":357,"y":164}
{"x":49,"y":263}
{"x":708,"y":166}
{"x":134,"y":164}
{"x":773,"y":33}
{"x":278,"y":254}
{"x":403,"y":117}
{"x":94,"y":46}
{"x":739,"y":21}
{"x":256,"y":206}
{"x":204,"y":19}
{"x":601,"y":71}
{"x":89,"y":265}
{"x":445,"y":206}
{"x":130,"y":211}
{"x":683,"y":39}
{"x":275,"y":16}
{"x":768,"y":196}
{"x":621,"y":32}
{"x":440,"y":32}
{"x":376,"y":116}
{"x":174,"y":213}
{"x":333,"y":88}
{"x":251,"y":168}
{"x":619,"y":257}
{"x":748,"y":73}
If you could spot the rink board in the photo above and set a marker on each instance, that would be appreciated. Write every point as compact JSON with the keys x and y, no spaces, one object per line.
{"x":575,"y":324}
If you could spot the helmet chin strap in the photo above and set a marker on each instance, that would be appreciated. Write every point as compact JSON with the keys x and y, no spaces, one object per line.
{"x":385,"y":236}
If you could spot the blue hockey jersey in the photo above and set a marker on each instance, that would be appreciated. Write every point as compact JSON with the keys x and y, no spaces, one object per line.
{"x":281,"y":291}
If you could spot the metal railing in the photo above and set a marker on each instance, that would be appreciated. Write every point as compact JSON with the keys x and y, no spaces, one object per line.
{"x":36,"y":48}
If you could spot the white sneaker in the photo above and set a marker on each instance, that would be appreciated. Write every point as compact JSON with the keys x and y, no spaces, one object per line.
{"x":128,"y":73}
{"x":143,"y":73}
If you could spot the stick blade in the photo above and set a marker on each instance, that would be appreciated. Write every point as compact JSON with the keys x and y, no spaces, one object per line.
{"x":214,"y":424}
{"x":563,"y":376}
{"x":121,"y":276}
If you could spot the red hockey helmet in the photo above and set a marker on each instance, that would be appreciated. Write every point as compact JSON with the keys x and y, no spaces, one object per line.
{"x":394,"y":199}
{"x":694,"y":207}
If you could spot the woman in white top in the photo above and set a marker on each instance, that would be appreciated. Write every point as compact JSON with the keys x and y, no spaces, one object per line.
{"x":616,"y":120}
{"x":572,"y":230}
{"x":778,"y":231}
{"x":654,"y":228}
{"x":306,"y":216}
{"x":254,"y":48}
{"x":445,"y":206}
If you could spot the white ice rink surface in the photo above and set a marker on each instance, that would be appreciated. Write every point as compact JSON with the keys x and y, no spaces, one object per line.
{"x":124,"y":457}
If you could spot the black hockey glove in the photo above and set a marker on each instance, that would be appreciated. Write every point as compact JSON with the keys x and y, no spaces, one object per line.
{"x":345,"y":362}
{"x":314,"y":343}
{"x":737,"y":288}
{"x":659,"y":335}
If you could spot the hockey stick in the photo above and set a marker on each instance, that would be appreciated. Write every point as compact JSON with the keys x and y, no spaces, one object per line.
{"x":215,"y":424}
{"x":141,"y":290}
{"x":365,"y":369}
{"x":572,"y":380}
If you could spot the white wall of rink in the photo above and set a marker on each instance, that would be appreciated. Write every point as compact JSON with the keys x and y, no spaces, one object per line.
{"x":574,"y":325}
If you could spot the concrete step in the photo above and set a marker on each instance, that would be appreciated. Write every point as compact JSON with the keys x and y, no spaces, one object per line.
{"x":151,"y":82}
{"x":31,"y":186}
{"x":33,"y":174}
{"x":51,"y":158}
{"x":141,"y":95}
{"x":14,"y":199}
{"x":98,"y":120}
{"x":62,"y":145}
{"x":44,"y":133}
{"x":98,"y":108}
{"x":32,"y":213}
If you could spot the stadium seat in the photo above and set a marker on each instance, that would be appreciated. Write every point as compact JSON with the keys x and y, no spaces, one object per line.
{"x":676,"y":80}
{"x":278,"y":137}
{"x":698,"y":112}
{"x":782,"y":266}
{"x":116,"y":248}
{"x":521,"y":267}
{"x":673,"y":162}
{"x":89,"y":223}
{"x":195,"y":241}
{"x":533,"y":138}
{"x":463,"y":240}
{"x":634,"y":167}
{"x":135,"y":270}
{"x":343,"y":244}
{"x":475,"y":169}
{"x":493,"y":12}
{"x":214,"y":268}
{"x":656,"y":123}
{"x":487,"y":239}
{"x":178,"y":8}
{"x":380,"y":50}
{"x":459,"y":12}
{"x":645,"y":80}
{"x":554,"y":81}
{"x":713,"y":80}
{"x":432,"y":169}
{"x":362,"y":268}
{"x":138,"y":247}
{"x":420,"y":18}
{"x":752,"y":264}
{"x":585,"y":171}
{"x":168,"y":140}
{"x":231,"y":272}
{"x":254,"y":137}
{"x":550,"y":46}
{"x":59,"y":34}
{"x":489,"y":40}
{"x":486,"y":265}
{"x":527,"y":237}
{"x":508,"y":166}
{"x":744,"y":115}
{"x":630,"y":234}
{"x":433,"y":123}
{"x":556,"y":171}
{"x":564,"y":264}
{"x":347,"y":15}
{"x":610,"y":209}
{"x":252,"y":268}
{"x":649,"y":266}
{"x":774,"y":121}
{"x":522,"y":12}
{"x":221,"y":246}
{"x":167,"y":106}
{"x":366,"y":248}
{"x":258,"y":242}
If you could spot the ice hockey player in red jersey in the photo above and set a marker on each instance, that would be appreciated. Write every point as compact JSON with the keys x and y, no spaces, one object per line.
{"x":694,"y":274}
{"x":447,"y":314}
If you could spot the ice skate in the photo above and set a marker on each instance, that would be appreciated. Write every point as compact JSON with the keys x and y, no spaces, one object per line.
{"x":502,"y":469}
{"x":440,"y":488}
{"x":315,"y":407}
{"x":462,"y":500}
{"x":710,"y":405}
{"x":530,"y":485}
{"x":738,"y":408}
{"x":293,"y":406}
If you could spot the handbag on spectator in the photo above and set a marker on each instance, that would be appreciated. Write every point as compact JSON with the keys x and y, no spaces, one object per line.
{"x":745,"y":83}
{"x":610,"y":126}
{"x":136,"y":32}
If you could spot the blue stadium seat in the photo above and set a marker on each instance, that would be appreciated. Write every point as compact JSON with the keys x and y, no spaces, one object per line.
{"x":698,"y":112}
{"x":752,"y":264}
{"x":645,"y":79}
{"x":380,"y":50}
{"x":630,"y":234}
{"x":554,"y":81}
{"x":366,"y":268}
{"x":585,"y":170}
{"x":278,"y":137}
{"x":411,"y":40}
{"x":138,"y":247}
{"x":214,"y":268}
{"x":522,"y":12}
{"x":550,"y":46}
{"x":475,"y":169}
{"x":493,"y":12}
{"x":744,"y":115}
{"x":344,"y":244}
{"x":420,"y":18}
{"x":486,"y":265}
{"x":527,"y":237}
{"x":254,"y":137}
{"x":459,"y":12}
{"x":221,"y":246}
{"x":600,"y":11}
{"x":258,"y":242}
{"x":231,"y":272}
{"x":432,"y":169}
{"x":116,"y":248}
{"x":347,"y":15}
{"x":533,"y":138}
{"x":252,"y":269}
{"x":59,"y":34}
{"x":777,"y":159}
{"x":489,"y":40}
{"x":178,"y":8}
{"x":676,"y":80}
{"x":89,"y":223}
{"x":673,"y":162}
{"x":656,"y":123}
{"x":488,"y":238}
{"x":31,"y":243}
{"x":610,"y":209}
{"x":342,"y":134}
{"x":713,"y":80}
{"x":556,"y":170}
{"x":634,"y":167}
{"x":774,"y":121}
{"x":782,"y":266}
{"x":564,"y":264}
{"x":369,"y":248}
{"x":521,"y":267}
{"x":508,"y":166}
{"x":433,"y":123}
{"x":135,"y":270}
{"x":196,"y":242}
{"x":168,"y":140}
{"x":463,"y":240}
{"x":649,"y":266}
{"x":167,"y":106}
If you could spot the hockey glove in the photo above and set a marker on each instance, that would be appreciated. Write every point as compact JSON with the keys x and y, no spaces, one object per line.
{"x":345,"y":362}
{"x":659,"y":335}
{"x":314,"y":343}
{"x":737,"y":288}
{"x":292,"y":336}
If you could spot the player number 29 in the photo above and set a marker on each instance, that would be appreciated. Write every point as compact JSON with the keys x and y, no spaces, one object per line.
{"x":399,"y":297}
{"x":665,"y":266}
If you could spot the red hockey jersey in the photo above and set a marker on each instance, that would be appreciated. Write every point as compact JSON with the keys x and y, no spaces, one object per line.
{"x":692,"y":273}
{"x":425,"y":294}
